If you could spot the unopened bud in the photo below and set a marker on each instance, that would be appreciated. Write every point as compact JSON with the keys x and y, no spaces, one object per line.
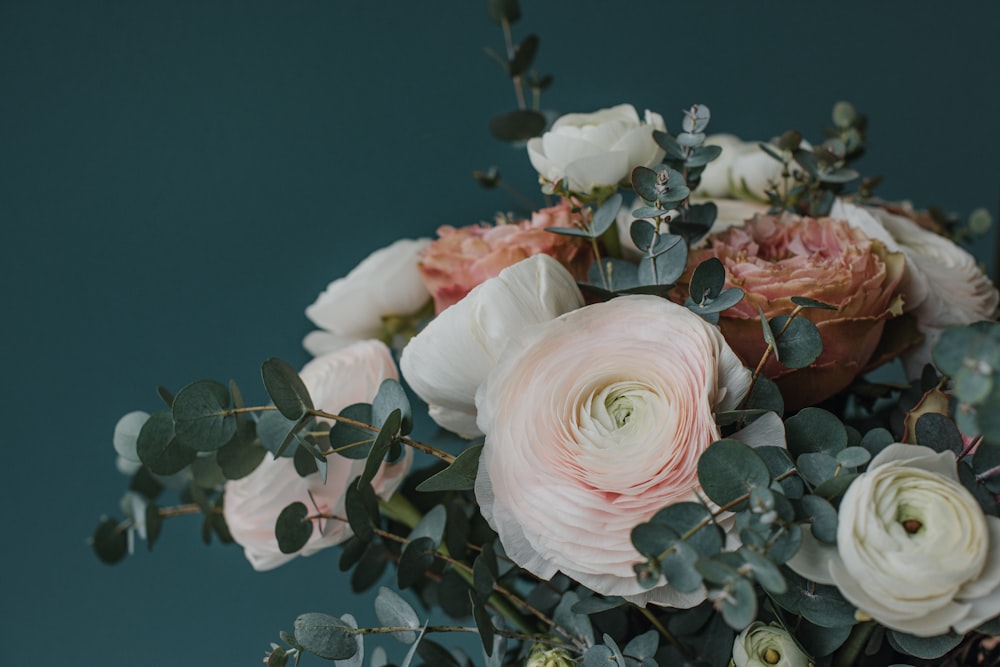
{"x":544,"y":656}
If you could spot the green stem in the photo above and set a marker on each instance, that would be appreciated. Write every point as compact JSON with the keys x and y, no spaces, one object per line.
{"x":848,"y":654}
{"x":399,"y":508}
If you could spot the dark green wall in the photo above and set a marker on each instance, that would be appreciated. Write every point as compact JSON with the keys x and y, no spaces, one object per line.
{"x":179,"y":179}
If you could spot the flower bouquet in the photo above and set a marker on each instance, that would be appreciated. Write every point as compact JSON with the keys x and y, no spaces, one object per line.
{"x":716,"y":404}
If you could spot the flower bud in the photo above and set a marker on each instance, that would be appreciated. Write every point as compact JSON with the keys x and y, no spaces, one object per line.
{"x":767,"y":646}
{"x":544,"y":656}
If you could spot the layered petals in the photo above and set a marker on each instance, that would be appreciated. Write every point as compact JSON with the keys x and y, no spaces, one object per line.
{"x":596,"y":150}
{"x":447,"y":361}
{"x":594,"y":421}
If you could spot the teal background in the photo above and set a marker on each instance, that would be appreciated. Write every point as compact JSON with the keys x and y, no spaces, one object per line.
{"x":178,"y":180}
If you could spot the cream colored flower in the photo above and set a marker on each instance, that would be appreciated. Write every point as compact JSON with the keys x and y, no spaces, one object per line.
{"x":446,"y":362}
{"x":596,"y":150}
{"x":594,"y":421}
{"x":914,"y":550}
{"x":352,"y":308}
{"x":762,"y":645}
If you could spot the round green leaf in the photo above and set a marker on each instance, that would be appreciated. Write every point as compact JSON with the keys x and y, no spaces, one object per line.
{"x":815,"y":430}
{"x":159,"y":450}
{"x":285,"y":388}
{"x":237,"y":459}
{"x":110,"y":544}
{"x":824,"y":518}
{"x":325,"y":636}
{"x":517,"y":125}
{"x":351,"y":441}
{"x":202,"y":419}
{"x":729,"y":469}
{"x":293,"y":529}
{"x":417,"y":557}
{"x":926,"y":648}
{"x":395,"y":612}
{"x":391,"y":396}
{"x":800,"y":343}
{"x":682,"y":518}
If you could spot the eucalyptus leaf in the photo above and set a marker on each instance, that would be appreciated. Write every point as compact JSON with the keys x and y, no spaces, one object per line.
{"x":385,"y":437}
{"x":799,"y":344}
{"x":109,"y":543}
{"x":351,"y":441}
{"x":518,"y":125}
{"x":417,"y":557}
{"x":391,"y":396}
{"x":285,"y":388}
{"x":202,"y":419}
{"x":395,"y":612}
{"x":729,"y":469}
{"x":431,"y":525}
{"x":460,"y":475}
{"x":606,"y":215}
{"x":524,"y":55}
{"x":815,"y":430}
{"x":926,"y":648}
{"x":159,"y":450}
{"x":326,"y":636}
{"x":293,"y":528}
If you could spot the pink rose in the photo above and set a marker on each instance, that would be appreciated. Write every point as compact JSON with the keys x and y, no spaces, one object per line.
{"x":774,"y":258}
{"x":594,"y":421}
{"x":462,"y":258}
{"x":350,"y":375}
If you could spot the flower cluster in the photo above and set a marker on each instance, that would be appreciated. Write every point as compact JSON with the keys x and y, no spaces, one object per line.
{"x":669,"y":447}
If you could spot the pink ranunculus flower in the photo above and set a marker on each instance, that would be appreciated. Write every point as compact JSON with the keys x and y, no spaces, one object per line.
{"x":461,"y":258}
{"x":594,"y":421}
{"x":773,"y":258}
{"x":252,"y":504}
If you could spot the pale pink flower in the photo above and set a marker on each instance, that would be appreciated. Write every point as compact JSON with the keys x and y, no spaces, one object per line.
{"x":773,"y":258}
{"x":594,"y":421}
{"x":462,"y":258}
{"x":350,"y":375}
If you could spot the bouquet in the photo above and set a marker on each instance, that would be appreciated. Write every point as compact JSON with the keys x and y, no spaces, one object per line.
{"x":716,"y":404}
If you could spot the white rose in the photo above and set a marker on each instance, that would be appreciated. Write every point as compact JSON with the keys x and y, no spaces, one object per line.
{"x":447,"y":361}
{"x":914,"y":550}
{"x":943,"y":285}
{"x":252,"y":504}
{"x":596,"y":150}
{"x":762,"y":645}
{"x":351,"y":308}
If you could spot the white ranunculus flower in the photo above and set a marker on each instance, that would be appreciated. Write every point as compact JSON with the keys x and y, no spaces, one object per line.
{"x":596,"y":150}
{"x":351,"y":308}
{"x":943,"y":285}
{"x":595,"y":421}
{"x":447,"y":361}
{"x":914,"y":549}
{"x":762,"y":645}
{"x":252,"y":504}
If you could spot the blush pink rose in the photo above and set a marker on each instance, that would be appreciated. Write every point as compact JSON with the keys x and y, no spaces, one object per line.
{"x":349,"y":375}
{"x":773,"y":258}
{"x":594,"y":421}
{"x":462,"y":258}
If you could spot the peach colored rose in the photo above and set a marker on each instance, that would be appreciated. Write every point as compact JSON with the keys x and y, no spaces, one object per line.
{"x":594,"y":421}
{"x":349,"y":375}
{"x":773,"y":258}
{"x":462,"y":258}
